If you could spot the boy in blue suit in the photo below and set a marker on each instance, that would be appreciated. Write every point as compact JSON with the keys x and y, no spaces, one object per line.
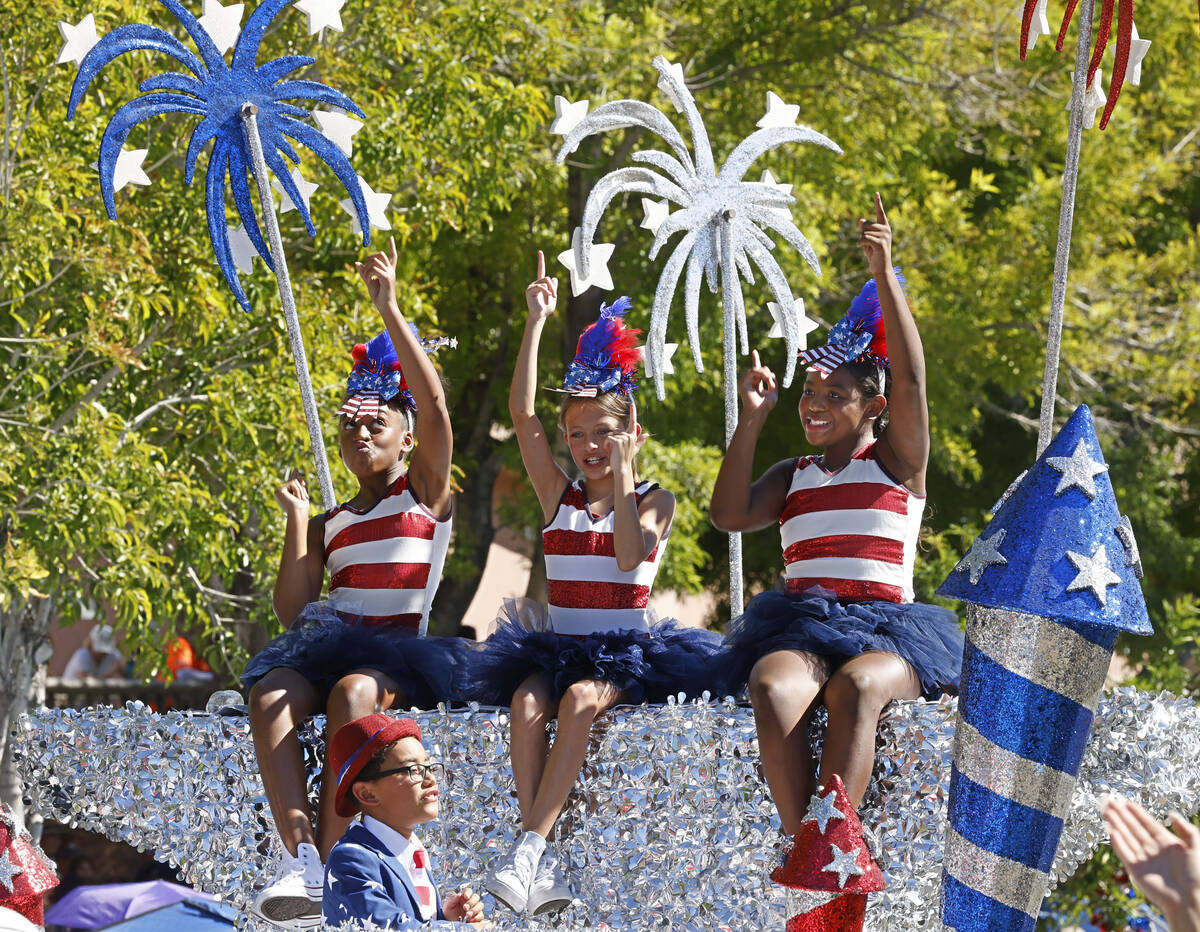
{"x":379,"y":871}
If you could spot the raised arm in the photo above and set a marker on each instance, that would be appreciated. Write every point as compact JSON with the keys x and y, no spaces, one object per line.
{"x":429,"y":463}
{"x":301,"y":568}
{"x":738,"y":504}
{"x":904,"y":444}
{"x":547,"y":477}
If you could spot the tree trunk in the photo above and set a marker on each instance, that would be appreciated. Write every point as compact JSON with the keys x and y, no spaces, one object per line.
{"x":24,"y":648}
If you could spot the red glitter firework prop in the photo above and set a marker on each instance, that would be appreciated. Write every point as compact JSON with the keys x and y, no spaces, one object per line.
{"x":843,"y":914}
{"x":25,"y":872}
{"x":1124,"y":16}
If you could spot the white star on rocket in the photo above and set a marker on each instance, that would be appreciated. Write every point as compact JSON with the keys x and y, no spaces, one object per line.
{"x":1138,"y":47}
{"x":567,"y":114}
{"x":668,"y":369}
{"x":338,"y":128}
{"x":599,"y":255}
{"x":376,"y":205}
{"x":844,"y":864}
{"x":656,"y":212}
{"x":983,"y":553}
{"x":822,"y":810}
{"x":305,"y":189}
{"x":128,"y":169}
{"x":778,"y":112}
{"x":242,"y":248}
{"x":1038,"y":26}
{"x":222,"y":23}
{"x":806,"y":324}
{"x":322,"y":14}
{"x":77,"y":40}
{"x":1078,"y":470}
{"x":1095,"y":573}
{"x":1093,"y":98}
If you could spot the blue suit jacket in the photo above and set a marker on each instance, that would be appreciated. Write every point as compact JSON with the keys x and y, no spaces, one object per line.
{"x":364,"y":880}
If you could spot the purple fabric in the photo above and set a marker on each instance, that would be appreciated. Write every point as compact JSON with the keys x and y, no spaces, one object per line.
{"x":94,"y":906}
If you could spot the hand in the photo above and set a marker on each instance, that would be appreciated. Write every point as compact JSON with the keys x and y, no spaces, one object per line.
{"x":293,"y":496}
{"x":379,"y":274}
{"x":876,"y":241}
{"x":758,"y":387}
{"x":624,"y":445}
{"x":1165,"y":866}
{"x":542,"y":294}
{"x":464,"y":906}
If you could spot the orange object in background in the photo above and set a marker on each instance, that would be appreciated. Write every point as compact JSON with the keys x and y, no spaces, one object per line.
{"x":182,"y":656}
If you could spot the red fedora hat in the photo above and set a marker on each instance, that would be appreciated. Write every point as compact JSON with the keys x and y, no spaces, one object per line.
{"x":354,"y":745}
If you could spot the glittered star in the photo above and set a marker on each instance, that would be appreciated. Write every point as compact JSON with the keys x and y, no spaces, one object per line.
{"x":567,"y":115}
{"x":983,"y":553}
{"x":222,"y":23}
{"x":600,"y":255}
{"x":243,"y":250}
{"x":656,"y":213}
{"x":376,"y":207}
{"x":806,"y":324}
{"x":338,"y":128}
{"x":1138,"y":48}
{"x":769,"y":180}
{"x":129,"y":168}
{"x":668,"y":369}
{"x":778,"y":113}
{"x":676,"y":71}
{"x":1038,"y":26}
{"x":1078,"y":469}
{"x":1093,"y":99}
{"x":306,"y":189}
{"x":77,"y":40}
{"x":8,"y":870}
{"x":1133,"y":556}
{"x":322,"y":14}
{"x":844,"y":864}
{"x":1094,"y":573}
{"x":823,"y":810}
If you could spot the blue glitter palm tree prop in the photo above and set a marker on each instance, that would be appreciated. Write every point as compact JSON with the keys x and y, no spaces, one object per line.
{"x":243,"y":106}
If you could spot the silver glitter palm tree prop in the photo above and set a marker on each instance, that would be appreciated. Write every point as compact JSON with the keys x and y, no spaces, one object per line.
{"x":726,"y":224}
{"x":242,"y":104}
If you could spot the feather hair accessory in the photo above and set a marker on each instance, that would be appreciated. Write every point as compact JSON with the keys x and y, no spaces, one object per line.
{"x":376,"y":377}
{"x":607,"y":356}
{"x":858,"y":336}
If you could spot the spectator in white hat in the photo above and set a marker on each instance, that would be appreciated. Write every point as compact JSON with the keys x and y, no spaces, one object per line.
{"x":98,"y":659}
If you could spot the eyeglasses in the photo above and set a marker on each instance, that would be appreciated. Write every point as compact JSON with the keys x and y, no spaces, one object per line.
{"x":415,"y":773}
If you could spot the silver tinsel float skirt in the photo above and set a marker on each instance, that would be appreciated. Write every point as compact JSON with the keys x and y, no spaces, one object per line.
{"x":327,"y":641}
{"x":646,"y":667}
{"x":927,"y":636}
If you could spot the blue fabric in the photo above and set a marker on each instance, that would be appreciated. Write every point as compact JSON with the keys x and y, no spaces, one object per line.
{"x":927,"y":636}
{"x":324,"y":644}
{"x":365,"y":881}
{"x":645,"y":667}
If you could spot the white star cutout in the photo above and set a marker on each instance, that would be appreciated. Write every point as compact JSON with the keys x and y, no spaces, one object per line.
{"x":983,"y":553}
{"x":1133,"y":556}
{"x":374,"y":885}
{"x":807,"y":325}
{"x":222,"y":23}
{"x":668,"y":89}
{"x":786,"y":189}
{"x":1038,"y":26}
{"x":243,"y":250}
{"x":376,"y":205}
{"x":844,"y":864}
{"x":823,"y":810}
{"x":1078,"y":470}
{"x":338,"y":128}
{"x":129,"y":169}
{"x":1093,"y":99}
{"x":330,"y":880}
{"x":1138,"y":48}
{"x":77,"y":40}
{"x":306,"y":189}
{"x":567,"y":115}
{"x":656,"y":213}
{"x":668,"y":369}
{"x":600,"y":255}
{"x":8,"y":870}
{"x":778,"y":112}
{"x":1094,"y":573}
{"x":322,"y":14}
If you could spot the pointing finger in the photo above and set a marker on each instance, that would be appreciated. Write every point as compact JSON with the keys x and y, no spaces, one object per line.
{"x":880,"y":216}
{"x":395,"y":255}
{"x":541,"y":265}
{"x":754,"y":359}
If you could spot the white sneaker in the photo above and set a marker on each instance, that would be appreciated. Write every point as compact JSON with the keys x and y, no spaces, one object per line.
{"x":294,"y":895}
{"x":550,"y":890}
{"x":509,"y":880}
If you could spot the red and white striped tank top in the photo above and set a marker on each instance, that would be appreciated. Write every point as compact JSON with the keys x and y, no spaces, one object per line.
{"x":852,"y":532}
{"x":588,"y":593}
{"x":387,"y":560}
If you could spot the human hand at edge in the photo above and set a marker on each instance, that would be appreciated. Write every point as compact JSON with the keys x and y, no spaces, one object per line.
{"x":464,"y":906}
{"x":758,"y":387}
{"x":1165,"y":866}
{"x":292,"y":496}
{"x":378,"y":273}
{"x":876,"y":241}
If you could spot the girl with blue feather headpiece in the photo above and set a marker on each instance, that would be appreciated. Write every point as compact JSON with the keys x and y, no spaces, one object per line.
{"x":597,"y":642}
{"x":363,"y":647}
{"x":845,"y":631}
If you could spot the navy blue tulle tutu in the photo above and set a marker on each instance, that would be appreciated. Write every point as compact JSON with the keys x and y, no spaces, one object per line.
{"x":326,"y":642}
{"x":927,"y":636}
{"x":646,"y":667}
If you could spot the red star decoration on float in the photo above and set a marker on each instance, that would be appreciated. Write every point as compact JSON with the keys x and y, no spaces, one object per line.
{"x":26,"y":874}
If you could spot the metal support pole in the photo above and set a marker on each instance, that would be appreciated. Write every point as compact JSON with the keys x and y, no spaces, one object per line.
{"x":729,"y":350}
{"x":315,"y":437}
{"x":1066,"y":218}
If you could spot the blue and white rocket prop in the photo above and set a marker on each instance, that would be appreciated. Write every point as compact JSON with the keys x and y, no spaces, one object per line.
{"x":1049,"y":584}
